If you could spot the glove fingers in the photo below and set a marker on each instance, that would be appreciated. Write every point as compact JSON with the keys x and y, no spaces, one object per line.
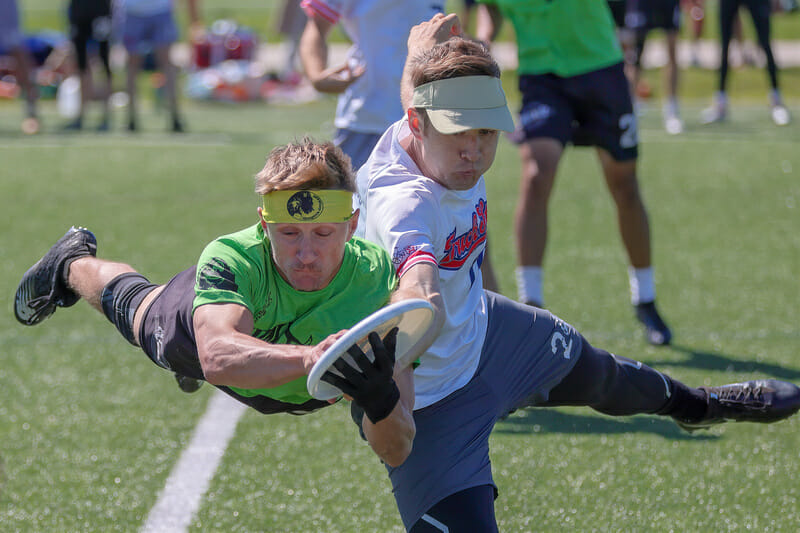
{"x":338,"y":382}
{"x":384,"y":351}
{"x":390,"y":342}
{"x":350,"y":374}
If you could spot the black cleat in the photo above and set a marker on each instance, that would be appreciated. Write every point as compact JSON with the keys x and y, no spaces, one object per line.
{"x":43,"y":286}
{"x":188,"y":384}
{"x":764,"y":401}
{"x":656,"y":331}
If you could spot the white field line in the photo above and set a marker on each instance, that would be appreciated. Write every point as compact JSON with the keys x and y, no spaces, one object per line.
{"x":187,"y":483}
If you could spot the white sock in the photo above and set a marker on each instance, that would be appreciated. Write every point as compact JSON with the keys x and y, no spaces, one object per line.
{"x":721,"y":98}
{"x":775,"y":97}
{"x":643,"y":287}
{"x":529,"y":284}
{"x":671,"y":107}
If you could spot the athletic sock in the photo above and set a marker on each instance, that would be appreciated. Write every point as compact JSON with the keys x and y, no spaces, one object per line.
{"x":529,"y":284}
{"x":643,"y":288}
{"x":671,"y":107}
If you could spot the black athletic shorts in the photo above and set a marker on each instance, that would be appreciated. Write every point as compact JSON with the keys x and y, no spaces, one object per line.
{"x":167,"y":337}
{"x":644,"y":15}
{"x":592,"y":109}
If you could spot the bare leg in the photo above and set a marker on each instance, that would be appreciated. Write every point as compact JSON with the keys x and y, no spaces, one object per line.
{"x":672,"y":65}
{"x":24,"y":78}
{"x":88,"y":276}
{"x":166,"y":66}
{"x":134,"y":64}
{"x":631,"y":213}
{"x":672,"y":121}
{"x":540,"y":158}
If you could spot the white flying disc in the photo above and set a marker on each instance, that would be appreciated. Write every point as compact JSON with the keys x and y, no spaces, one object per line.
{"x":412,"y":318}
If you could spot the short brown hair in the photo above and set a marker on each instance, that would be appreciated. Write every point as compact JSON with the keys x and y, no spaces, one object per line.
{"x":306,"y":165}
{"x":454,"y":58}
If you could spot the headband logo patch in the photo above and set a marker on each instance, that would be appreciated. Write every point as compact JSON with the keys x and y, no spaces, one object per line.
{"x":304,"y":206}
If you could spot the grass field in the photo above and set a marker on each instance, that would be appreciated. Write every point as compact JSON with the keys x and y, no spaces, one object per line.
{"x":89,"y":428}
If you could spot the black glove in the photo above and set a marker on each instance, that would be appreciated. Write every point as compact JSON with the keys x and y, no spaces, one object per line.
{"x":373,"y":388}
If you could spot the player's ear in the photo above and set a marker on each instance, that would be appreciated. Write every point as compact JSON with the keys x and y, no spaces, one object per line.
{"x":414,"y":122}
{"x":261,"y":218}
{"x":353,"y":224}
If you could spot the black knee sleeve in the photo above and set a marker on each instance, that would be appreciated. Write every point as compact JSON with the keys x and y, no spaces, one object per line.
{"x":120,"y":299}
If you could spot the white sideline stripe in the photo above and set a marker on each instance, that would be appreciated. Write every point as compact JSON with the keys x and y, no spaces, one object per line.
{"x":191,"y":475}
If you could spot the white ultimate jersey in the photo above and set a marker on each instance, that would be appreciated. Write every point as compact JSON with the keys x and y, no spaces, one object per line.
{"x":418,"y":220}
{"x":379,"y":32}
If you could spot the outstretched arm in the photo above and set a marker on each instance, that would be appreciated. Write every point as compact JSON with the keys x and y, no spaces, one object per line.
{"x":230,"y":356}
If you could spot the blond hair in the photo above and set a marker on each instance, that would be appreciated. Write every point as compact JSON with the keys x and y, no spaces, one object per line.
{"x":305,"y":165}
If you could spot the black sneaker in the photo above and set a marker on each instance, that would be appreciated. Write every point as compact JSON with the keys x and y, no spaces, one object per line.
{"x":764,"y":401}
{"x":188,"y":384}
{"x":43,"y":287}
{"x":656,"y":331}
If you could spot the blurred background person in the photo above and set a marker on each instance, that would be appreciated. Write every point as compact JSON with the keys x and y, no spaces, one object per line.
{"x":89,"y":25}
{"x":11,"y":42}
{"x":149,"y":25}
{"x":642,"y":16}
{"x":368,"y":82}
{"x":760,"y":11}
{"x":574,"y":91}
{"x":741,"y":51}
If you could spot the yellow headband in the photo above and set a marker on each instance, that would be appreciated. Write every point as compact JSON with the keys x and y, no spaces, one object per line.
{"x":317,"y":206}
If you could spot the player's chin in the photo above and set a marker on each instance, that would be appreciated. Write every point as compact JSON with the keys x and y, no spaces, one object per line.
{"x":307,"y":282}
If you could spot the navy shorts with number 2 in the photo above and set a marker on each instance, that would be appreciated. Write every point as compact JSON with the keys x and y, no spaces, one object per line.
{"x":592,"y":109}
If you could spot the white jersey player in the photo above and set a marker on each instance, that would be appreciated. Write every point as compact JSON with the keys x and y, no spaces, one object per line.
{"x":423,"y":198}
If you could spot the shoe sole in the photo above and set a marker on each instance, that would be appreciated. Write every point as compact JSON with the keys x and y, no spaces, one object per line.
{"x":30,"y":310}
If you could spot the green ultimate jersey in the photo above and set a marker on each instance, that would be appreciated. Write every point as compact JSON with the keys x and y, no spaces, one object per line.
{"x":562,"y":37}
{"x":238,"y":268}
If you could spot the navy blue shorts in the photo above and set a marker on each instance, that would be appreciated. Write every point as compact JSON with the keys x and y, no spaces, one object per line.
{"x":644,"y":15}
{"x":592,"y":109}
{"x":526,"y":353}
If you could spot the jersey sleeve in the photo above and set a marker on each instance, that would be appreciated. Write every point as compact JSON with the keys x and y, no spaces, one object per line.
{"x":402,"y":219}
{"x":224,"y":275}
